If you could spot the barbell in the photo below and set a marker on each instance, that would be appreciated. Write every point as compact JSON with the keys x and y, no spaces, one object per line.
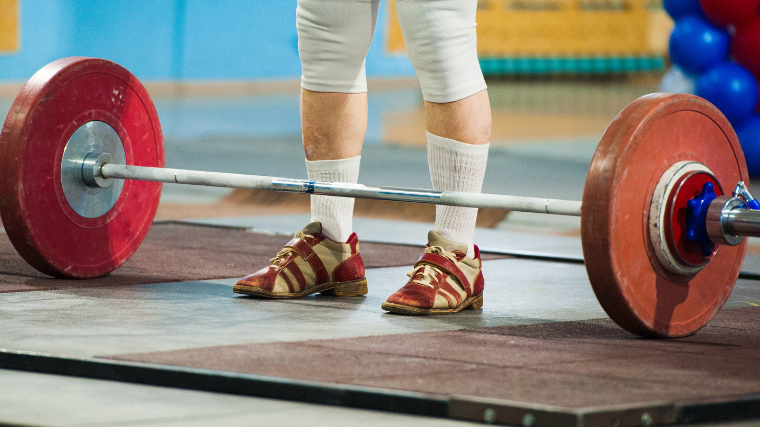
{"x":662,"y":230}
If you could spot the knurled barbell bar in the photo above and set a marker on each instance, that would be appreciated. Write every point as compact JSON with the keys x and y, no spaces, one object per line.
{"x":662,"y":240}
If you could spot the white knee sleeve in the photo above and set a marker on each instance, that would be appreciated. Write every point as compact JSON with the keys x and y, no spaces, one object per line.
{"x":441,"y":42}
{"x":333,"y":39}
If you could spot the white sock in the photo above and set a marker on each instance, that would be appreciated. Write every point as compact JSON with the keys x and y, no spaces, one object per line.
{"x":456,"y":166}
{"x":335,"y":213}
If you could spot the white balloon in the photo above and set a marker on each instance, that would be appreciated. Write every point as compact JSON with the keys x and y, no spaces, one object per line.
{"x":676,"y":81}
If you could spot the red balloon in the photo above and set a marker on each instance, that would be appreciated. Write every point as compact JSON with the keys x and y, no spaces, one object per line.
{"x":730,"y":12}
{"x":745,"y":47}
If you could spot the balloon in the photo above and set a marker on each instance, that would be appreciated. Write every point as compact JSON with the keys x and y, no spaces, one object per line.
{"x":749,"y":136}
{"x":676,"y":81}
{"x":695,"y":44}
{"x":730,"y":12}
{"x":731,"y":88}
{"x":678,"y":9}
{"x":745,"y":46}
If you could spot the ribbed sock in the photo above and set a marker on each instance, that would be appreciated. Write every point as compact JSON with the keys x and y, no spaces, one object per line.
{"x":335,"y":213}
{"x":456,"y":166}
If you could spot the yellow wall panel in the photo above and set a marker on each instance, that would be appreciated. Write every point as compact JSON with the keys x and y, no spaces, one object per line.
{"x":9,"y":27}
{"x":516,"y":28}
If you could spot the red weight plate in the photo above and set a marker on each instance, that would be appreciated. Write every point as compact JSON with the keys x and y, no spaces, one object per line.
{"x":56,"y":101}
{"x":642,"y":142}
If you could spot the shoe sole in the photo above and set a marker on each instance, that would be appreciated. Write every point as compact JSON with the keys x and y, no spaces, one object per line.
{"x":472,"y":303}
{"x":354,"y":288}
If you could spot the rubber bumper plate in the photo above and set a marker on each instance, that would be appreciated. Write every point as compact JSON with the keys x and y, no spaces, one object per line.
{"x":641,"y":144}
{"x":84,"y":96}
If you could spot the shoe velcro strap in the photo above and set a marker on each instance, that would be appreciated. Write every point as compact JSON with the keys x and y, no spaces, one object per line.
{"x":307,"y":253}
{"x":449,"y":267}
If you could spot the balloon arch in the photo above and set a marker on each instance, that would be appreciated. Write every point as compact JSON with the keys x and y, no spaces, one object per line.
{"x":715,"y":50}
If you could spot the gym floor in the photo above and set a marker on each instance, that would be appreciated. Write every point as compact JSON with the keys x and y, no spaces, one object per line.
{"x":542,"y":346}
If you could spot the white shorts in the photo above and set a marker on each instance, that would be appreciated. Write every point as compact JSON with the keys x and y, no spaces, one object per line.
{"x":334,"y":37}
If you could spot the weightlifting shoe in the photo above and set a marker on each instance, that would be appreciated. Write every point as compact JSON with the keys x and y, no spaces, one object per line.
{"x":308,"y":264}
{"x":444,"y":280}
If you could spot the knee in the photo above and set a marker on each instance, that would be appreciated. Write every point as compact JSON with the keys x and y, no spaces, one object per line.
{"x":441,"y":43}
{"x":333,"y":40}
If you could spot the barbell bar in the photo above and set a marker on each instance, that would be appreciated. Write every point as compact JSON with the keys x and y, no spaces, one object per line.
{"x":730,"y":221}
{"x":82,"y":155}
{"x":230,"y":180}
{"x":735,"y":222}
{"x":727,"y":223}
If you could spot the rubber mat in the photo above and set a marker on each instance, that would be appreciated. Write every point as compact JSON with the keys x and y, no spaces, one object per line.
{"x":174,"y":252}
{"x":575,"y":364}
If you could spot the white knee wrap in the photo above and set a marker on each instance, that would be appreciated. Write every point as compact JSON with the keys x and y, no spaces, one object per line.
{"x":333,"y":39}
{"x":441,"y":42}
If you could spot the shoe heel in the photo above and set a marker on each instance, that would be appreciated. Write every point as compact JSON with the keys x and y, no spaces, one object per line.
{"x":477,"y":303}
{"x":353,"y":288}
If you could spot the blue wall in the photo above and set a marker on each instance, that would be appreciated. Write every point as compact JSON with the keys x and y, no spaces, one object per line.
{"x":176,"y":39}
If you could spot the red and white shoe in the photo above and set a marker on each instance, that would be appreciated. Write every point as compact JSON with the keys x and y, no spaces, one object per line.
{"x":443,"y":281}
{"x":308,"y":264}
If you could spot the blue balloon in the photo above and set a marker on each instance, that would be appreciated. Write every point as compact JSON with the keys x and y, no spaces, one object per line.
{"x":678,"y":9}
{"x":749,"y":136}
{"x":695,"y":44}
{"x":731,"y":88}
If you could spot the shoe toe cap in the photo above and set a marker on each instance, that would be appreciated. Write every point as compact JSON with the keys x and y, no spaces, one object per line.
{"x":264,"y":279}
{"x":413,"y":295}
